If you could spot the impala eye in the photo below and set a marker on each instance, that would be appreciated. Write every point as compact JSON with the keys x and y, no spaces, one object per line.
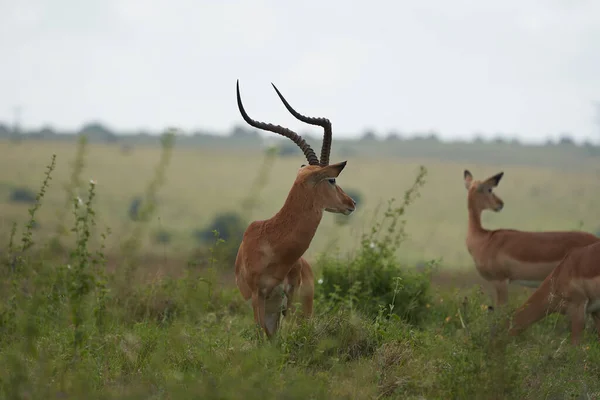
{"x":332,"y":181}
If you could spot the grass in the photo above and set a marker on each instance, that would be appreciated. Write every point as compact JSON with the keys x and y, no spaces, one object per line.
{"x":100,"y":321}
{"x":199,"y":184}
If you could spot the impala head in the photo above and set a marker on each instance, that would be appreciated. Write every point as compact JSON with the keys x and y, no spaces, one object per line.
{"x":481,"y":194}
{"x":320,"y":183}
{"x":318,"y":178}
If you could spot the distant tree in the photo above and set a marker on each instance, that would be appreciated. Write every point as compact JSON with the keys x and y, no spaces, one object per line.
{"x":4,"y":130}
{"x":393,"y":136}
{"x":566,"y":140}
{"x":308,"y":136}
{"x":591,"y":149}
{"x":239,"y":131}
{"x":98,"y":132}
{"x":143,"y":134}
{"x":499,"y":139}
{"x":369,"y":135}
{"x":432,"y":136}
{"x":515,"y":141}
{"x":597,"y":115}
{"x":478,"y":139}
{"x":47,"y":131}
{"x":288,"y":148}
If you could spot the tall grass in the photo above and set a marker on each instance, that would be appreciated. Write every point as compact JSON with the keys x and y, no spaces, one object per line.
{"x":69,"y":328}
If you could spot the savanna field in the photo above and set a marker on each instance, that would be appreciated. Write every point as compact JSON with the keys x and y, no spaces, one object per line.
{"x":116,"y":284}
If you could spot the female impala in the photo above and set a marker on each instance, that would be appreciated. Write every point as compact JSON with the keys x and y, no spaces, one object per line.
{"x":504,"y":256}
{"x":573,"y":288}
{"x":269,"y":262}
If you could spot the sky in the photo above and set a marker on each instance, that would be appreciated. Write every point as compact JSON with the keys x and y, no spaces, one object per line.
{"x":521,"y":68}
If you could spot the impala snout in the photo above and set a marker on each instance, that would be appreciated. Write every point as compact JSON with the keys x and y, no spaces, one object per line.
{"x":350,"y":208}
{"x":349,"y":203}
{"x":345,"y":204}
{"x":498,"y":204}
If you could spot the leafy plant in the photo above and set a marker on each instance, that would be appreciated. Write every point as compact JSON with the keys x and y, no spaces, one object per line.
{"x":373,"y":277}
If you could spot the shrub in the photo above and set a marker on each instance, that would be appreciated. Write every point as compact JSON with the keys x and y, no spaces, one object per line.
{"x":134,"y":208}
{"x":373,"y":278}
{"x":22,"y":195}
{"x":230,"y":225}
{"x":370,"y":282}
{"x":216,"y":249}
{"x":162,"y":236}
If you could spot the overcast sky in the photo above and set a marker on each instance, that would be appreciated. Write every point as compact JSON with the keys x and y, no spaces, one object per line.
{"x":526,"y":68}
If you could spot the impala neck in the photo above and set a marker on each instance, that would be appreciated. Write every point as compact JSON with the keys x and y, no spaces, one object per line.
{"x":474,"y":218}
{"x":537,"y":307}
{"x":296,"y":223}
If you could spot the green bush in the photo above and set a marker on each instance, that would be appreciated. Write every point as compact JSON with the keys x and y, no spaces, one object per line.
{"x":370,"y":282}
{"x":162,"y":236}
{"x":22,"y":195}
{"x":373,"y":279}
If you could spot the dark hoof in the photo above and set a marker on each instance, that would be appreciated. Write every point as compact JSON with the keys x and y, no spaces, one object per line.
{"x":490,"y":308}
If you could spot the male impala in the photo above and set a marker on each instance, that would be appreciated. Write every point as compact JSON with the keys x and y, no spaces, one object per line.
{"x":573,"y":288}
{"x":505,"y":256}
{"x":269,"y":262}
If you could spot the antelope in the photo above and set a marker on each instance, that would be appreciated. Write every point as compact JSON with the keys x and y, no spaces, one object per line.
{"x":572,"y":289}
{"x":269,"y":262}
{"x":504,"y":256}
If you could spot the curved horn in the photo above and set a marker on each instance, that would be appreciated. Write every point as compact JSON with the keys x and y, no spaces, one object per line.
{"x":306,"y":149}
{"x":322,"y":122}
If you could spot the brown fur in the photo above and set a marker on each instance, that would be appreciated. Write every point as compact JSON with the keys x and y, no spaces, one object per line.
{"x":573,"y":288}
{"x":506,"y":255}
{"x":271,"y":250}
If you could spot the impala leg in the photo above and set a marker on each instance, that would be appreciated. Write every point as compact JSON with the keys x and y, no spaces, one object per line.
{"x":291,"y":287}
{"x":501,"y":292}
{"x":271,"y":310}
{"x":577,"y":315}
{"x":255,"y":308}
{"x":290,"y":308}
{"x":596,"y":316}
{"x":304,"y":293}
{"x":307,"y":290}
{"x":300,"y":285}
{"x":260,"y":316}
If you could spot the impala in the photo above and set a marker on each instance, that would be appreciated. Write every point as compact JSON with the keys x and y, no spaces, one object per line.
{"x":269,"y":262}
{"x":506,"y":256}
{"x":573,"y":289}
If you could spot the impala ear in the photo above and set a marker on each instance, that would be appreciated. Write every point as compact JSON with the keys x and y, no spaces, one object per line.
{"x":494,"y":180}
{"x":329,"y":171}
{"x":468,"y":179}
